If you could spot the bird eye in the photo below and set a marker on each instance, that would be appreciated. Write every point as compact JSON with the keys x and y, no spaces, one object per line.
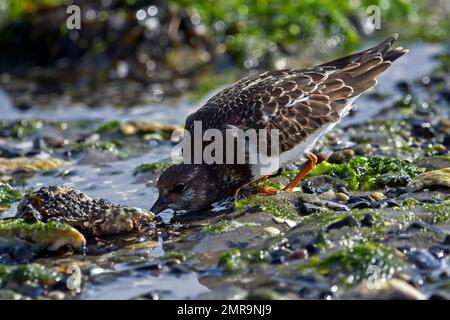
{"x":179,"y":188}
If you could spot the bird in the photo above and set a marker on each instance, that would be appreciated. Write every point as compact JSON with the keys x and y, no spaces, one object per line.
{"x":302,"y":104}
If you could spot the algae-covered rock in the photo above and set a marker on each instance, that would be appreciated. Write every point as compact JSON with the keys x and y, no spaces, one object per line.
{"x":91,"y":216}
{"x":352,"y":265}
{"x":430,"y":179}
{"x":27,"y":281}
{"x":8,"y":166}
{"x":363,"y":173}
{"x":52,"y":235}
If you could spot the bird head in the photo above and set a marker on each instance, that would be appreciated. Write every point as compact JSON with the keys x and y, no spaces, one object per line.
{"x":187,"y":187}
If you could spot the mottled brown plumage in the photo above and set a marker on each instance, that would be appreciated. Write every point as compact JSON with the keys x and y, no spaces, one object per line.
{"x":301,"y":104}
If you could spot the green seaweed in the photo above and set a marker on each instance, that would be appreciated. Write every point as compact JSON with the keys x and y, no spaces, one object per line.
{"x":231,"y":261}
{"x":114,"y":147}
{"x":351,"y":265}
{"x":363,"y":173}
{"x":151,"y":167}
{"x":182,"y":256}
{"x":277,"y":207}
{"x":8,"y":195}
{"x":109,"y":126}
{"x":218,"y":228}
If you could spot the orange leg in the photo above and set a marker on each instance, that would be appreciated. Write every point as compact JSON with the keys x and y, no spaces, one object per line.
{"x":312,"y":160}
{"x":267,"y":191}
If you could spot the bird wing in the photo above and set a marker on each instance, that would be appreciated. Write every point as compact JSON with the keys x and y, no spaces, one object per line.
{"x":297,"y":102}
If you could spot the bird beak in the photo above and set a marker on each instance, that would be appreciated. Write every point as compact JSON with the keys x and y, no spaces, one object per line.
{"x":159,"y":206}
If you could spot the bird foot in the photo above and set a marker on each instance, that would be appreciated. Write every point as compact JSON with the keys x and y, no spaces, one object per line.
{"x":267,"y":191}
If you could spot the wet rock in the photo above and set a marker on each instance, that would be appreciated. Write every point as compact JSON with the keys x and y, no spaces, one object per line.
{"x":321,"y":184}
{"x":433,"y":163}
{"x":224,"y":293}
{"x":342,"y":196}
{"x":346,"y":222}
{"x":92,"y":216}
{"x":446,"y":141}
{"x":360,"y":204}
{"x":447,"y":240}
{"x":51,"y":236}
{"x":420,"y":225}
{"x":31,"y":280}
{"x":392,"y":203}
{"x":308,"y":208}
{"x":393,"y":180}
{"x":393,"y":289}
{"x":279,"y":256}
{"x":336,"y":206}
{"x":328,"y":194}
{"x":272,"y":231}
{"x":379,"y":204}
{"x":298,"y":254}
{"x":56,"y":295}
{"x":438,"y":251}
{"x":377,"y":196}
{"x":423,"y":259}
{"x":423,"y":130}
{"x":430,"y":179}
{"x":341,"y":156}
{"x":367,"y":221}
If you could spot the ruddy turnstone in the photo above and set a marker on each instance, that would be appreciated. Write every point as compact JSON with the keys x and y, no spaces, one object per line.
{"x":302,"y":104}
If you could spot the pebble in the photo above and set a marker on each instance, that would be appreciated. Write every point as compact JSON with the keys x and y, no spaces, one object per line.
{"x":346,"y":222}
{"x":341,"y":156}
{"x":308,"y":208}
{"x":290,"y":223}
{"x":438,"y":251}
{"x":343,"y":190}
{"x":272,"y":231}
{"x":56,"y":295}
{"x":328,"y":194}
{"x":379,"y":204}
{"x":298,"y":254}
{"x":393,"y":289}
{"x":362,"y":204}
{"x":336,"y":206}
{"x":342,"y":196}
{"x":423,"y":259}
{"x":367,"y":221}
{"x":278,"y":220}
{"x":447,"y":240}
{"x":377,"y":196}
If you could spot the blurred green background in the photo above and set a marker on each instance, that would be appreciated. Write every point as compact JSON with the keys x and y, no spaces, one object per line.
{"x":176,"y":43}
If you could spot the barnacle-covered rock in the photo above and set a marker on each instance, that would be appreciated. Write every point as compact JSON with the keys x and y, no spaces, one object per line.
{"x":52,"y":235}
{"x":92,"y":216}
